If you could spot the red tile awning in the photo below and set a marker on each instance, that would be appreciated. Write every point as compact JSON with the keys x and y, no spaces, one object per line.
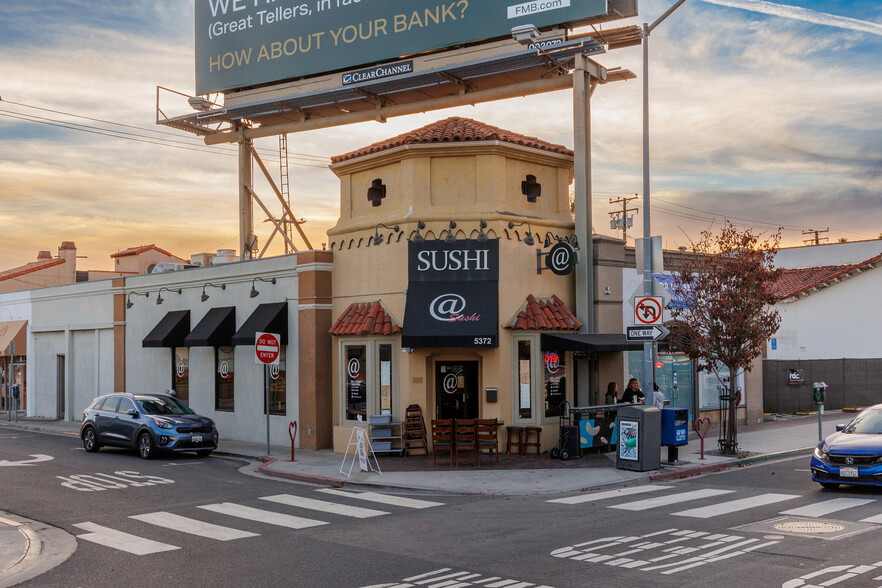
{"x":546,"y":314}
{"x":365,"y":318}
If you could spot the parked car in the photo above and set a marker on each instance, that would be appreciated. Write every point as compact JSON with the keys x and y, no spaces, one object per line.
{"x":853,"y":454}
{"x":148,"y":423}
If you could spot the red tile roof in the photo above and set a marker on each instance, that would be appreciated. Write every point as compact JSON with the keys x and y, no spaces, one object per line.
{"x":548,"y":314}
{"x":794,"y":282}
{"x":454,"y":130}
{"x":365,"y":318}
{"x":140,"y":250}
{"x":29,"y":268}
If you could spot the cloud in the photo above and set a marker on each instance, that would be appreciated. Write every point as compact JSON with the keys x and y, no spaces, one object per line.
{"x":803,"y":14}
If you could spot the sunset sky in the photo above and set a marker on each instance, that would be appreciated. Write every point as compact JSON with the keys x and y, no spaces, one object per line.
{"x":764,"y":113}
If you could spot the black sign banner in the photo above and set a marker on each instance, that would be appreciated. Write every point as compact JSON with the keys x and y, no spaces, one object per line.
{"x":453,"y":294}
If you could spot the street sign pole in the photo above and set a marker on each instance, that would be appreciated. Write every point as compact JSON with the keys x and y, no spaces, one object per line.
{"x":267,"y":350}
{"x":266,"y":374}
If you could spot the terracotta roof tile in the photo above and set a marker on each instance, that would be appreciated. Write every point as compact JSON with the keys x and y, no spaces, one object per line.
{"x":29,"y":268}
{"x":454,"y":130}
{"x":365,"y":318}
{"x":549,"y":314}
{"x":794,"y":282}
{"x":141,"y":249}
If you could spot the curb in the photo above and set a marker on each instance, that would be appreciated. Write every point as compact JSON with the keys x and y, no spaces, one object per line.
{"x":47,"y":548}
{"x":722,"y":466}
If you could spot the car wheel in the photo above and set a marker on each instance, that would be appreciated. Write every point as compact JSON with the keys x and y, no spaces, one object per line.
{"x":204,"y":452}
{"x":829,"y":485}
{"x":145,"y":446}
{"x":90,"y":441}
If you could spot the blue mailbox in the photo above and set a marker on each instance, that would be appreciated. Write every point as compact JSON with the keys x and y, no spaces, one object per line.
{"x":674,"y":430}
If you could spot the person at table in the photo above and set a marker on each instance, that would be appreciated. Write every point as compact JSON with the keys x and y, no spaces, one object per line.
{"x":633,"y":393}
{"x":612,"y":393}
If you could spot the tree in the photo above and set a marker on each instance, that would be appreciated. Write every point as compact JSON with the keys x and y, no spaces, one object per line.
{"x":725,"y":317}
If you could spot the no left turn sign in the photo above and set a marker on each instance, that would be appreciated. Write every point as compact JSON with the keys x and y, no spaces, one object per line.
{"x":267,"y":348}
{"x":648,"y":310}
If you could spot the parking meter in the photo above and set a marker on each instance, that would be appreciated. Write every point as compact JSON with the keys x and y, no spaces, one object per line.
{"x":15,"y":390}
{"x":818,"y":395}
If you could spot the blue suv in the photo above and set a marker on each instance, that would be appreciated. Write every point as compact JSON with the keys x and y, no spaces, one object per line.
{"x":148,"y":423}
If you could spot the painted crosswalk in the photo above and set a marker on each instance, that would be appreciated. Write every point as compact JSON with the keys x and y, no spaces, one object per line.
{"x":715,"y":510}
{"x":273,"y":515}
{"x":658,"y":501}
{"x":821,"y":509}
{"x":595,"y":496}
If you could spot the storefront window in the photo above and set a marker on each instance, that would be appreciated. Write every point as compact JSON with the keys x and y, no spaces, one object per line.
{"x":224,"y":379}
{"x":555,"y":381}
{"x":385,"y":353}
{"x":356,"y":382}
{"x":181,"y":373}
{"x":277,"y":386}
{"x":710,"y":387}
{"x":525,"y":400}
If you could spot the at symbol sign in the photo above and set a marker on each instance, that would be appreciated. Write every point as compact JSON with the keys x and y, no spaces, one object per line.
{"x":447,"y":307}
{"x":450,"y":383}
{"x":353,"y":368}
{"x":180,"y":369}
{"x":560,"y":259}
{"x":274,"y":371}
{"x":224,"y":369}
{"x":552,"y":362}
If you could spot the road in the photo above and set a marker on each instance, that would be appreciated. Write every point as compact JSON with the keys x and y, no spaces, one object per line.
{"x":186,"y":520}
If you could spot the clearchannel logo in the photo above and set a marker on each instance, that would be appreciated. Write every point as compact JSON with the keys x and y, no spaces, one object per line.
{"x":377,"y":73}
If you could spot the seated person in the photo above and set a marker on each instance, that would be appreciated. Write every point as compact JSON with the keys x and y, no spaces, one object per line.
{"x":633,"y":393}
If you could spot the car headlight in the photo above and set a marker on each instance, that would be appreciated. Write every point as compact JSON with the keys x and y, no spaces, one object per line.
{"x":821,"y":454}
{"x":163,"y":424}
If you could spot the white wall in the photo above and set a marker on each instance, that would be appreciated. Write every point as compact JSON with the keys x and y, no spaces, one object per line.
{"x":828,"y":254}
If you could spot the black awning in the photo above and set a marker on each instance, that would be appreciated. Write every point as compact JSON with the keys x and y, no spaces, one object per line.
{"x":451,"y":314}
{"x":170,"y":331}
{"x":266,"y":318}
{"x":596,"y":342}
{"x":216,"y":328}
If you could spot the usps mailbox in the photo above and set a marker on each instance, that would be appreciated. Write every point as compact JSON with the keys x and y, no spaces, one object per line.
{"x":674,"y":430}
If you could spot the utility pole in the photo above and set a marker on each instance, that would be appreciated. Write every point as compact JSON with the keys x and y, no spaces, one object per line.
{"x":624,"y":221}
{"x":816,"y":232}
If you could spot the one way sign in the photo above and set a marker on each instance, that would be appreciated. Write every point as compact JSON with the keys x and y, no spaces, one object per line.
{"x":653,"y":333}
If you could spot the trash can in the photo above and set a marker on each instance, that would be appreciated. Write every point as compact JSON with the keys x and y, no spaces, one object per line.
{"x":674,"y":430}
{"x":639,"y":431}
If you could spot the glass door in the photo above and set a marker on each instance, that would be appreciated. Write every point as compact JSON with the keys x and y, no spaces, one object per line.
{"x":674,"y":379}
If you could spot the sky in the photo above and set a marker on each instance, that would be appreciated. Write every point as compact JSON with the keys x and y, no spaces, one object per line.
{"x":766,"y":114}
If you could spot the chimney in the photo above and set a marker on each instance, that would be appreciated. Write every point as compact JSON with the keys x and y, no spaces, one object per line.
{"x":44,"y":256}
{"x":68,"y":252}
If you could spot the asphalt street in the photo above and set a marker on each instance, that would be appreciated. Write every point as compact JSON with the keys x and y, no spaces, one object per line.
{"x":195,"y":521}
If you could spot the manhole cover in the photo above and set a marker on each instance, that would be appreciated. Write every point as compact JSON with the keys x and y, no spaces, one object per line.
{"x":808,"y":527}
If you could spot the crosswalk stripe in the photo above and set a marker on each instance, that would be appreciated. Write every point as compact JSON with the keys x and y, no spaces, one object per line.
{"x":192,"y":526}
{"x":873,"y":519}
{"x":122,"y":541}
{"x":262,"y":516}
{"x":592,"y":496}
{"x":828,"y":506}
{"x":722,"y":508}
{"x":672,"y":499}
{"x":325,"y":506}
{"x":390,"y":499}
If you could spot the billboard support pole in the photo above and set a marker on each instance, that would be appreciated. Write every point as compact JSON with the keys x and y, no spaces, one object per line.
{"x":246,"y":215}
{"x":582,"y":190}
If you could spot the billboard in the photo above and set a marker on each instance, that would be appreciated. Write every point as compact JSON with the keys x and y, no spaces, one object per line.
{"x":242,"y":43}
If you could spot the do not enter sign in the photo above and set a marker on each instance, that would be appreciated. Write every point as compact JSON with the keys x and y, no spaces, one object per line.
{"x":267,"y":348}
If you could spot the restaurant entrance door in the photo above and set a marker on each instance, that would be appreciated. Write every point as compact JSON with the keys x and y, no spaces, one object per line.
{"x":456,"y":389}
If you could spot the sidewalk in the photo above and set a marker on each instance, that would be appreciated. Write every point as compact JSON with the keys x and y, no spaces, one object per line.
{"x":30,"y":548}
{"x":784,"y":437}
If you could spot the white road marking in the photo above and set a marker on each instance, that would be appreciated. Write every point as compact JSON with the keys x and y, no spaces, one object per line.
{"x":592,"y":496}
{"x":192,"y":526}
{"x":122,"y":541}
{"x":873,"y":519}
{"x":262,"y":516}
{"x":325,"y":506}
{"x":674,"y":499}
{"x":824,"y":508}
{"x":391,"y":499}
{"x":722,"y":508}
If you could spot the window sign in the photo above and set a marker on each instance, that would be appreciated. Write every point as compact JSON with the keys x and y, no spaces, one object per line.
{"x":277,"y":385}
{"x":385,"y":379}
{"x":555,"y":381}
{"x":356,"y":384}
{"x":525,"y":405}
{"x":181,"y":373}
{"x":223,"y":379}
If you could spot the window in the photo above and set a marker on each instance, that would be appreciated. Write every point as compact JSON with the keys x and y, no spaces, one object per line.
{"x":223,"y":379}
{"x":368,"y":378}
{"x":385,"y":353}
{"x":525,"y":399}
{"x":278,"y":394}
{"x":181,"y":373}
{"x":125,"y":405}
{"x":555,"y":370}
{"x":356,"y":382}
{"x":110,"y":404}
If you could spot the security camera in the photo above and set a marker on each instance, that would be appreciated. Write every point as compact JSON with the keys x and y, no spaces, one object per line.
{"x":525,"y":34}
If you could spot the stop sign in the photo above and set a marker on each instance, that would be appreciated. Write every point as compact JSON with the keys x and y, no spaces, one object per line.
{"x":267,"y":348}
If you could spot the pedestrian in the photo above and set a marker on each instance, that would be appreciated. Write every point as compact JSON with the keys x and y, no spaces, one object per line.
{"x":633,"y":393}
{"x":612,"y":393}
{"x":658,"y":398}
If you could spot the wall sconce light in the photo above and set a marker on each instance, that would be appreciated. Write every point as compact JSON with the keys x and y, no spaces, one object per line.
{"x":378,"y":239}
{"x":129,"y":302}
{"x":418,"y":238}
{"x":450,"y":237}
{"x":528,"y":239}
{"x":254,"y":293}
{"x":159,"y":298}
{"x":572,"y":240}
{"x":482,"y":236}
{"x":531,"y":188}
{"x":549,"y":237}
{"x":204,"y":295}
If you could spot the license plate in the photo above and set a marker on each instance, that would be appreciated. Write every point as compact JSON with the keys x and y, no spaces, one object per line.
{"x":848,"y":472}
{"x":198,"y":439}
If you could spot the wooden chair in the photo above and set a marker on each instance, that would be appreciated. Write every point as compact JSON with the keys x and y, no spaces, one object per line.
{"x":466,"y":439}
{"x":488,"y":438}
{"x":442,"y":439}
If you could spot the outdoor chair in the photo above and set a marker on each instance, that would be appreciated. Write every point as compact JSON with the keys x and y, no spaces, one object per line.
{"x":488,"y":438}
{"x":466,"y":439}
{"x":442,"y":439}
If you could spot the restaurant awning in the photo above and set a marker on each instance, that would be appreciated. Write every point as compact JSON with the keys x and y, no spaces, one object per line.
{"x":13,"y":331}
{"x":596,"y":342}
{"x":266,"y":318}
{"x":170,"y":331}
{"x":216,"y":329}
{"x":451,"y":314}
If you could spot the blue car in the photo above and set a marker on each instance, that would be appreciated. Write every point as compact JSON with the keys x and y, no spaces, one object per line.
{"x":149,"y":423}
{"x":853,"y":454}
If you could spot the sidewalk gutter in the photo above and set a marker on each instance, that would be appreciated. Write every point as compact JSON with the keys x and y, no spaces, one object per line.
{"x":727,"y":465}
